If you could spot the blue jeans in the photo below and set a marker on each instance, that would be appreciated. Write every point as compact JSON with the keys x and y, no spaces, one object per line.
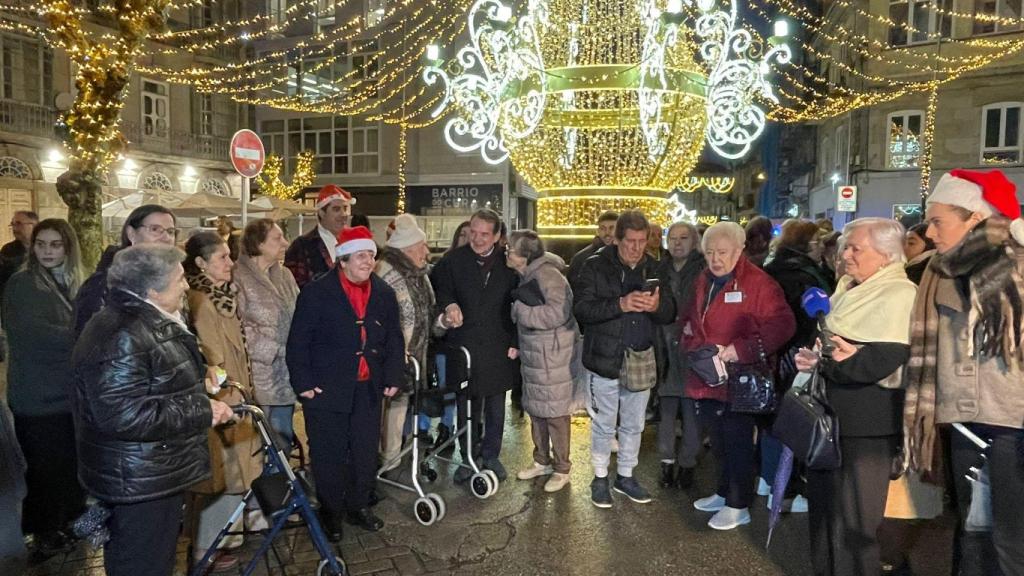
{"x":448,"y":418}
{"x":281,"y":422}
{"x":606,"y":401}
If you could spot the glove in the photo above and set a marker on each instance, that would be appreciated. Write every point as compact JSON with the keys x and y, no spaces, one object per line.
{"x":529,"y":293}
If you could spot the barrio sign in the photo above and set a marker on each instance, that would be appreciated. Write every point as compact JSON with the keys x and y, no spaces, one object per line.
{"x":468,"y":197}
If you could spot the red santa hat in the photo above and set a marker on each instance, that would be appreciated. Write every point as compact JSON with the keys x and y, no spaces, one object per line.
{"x":355,"y":239}
{"x":330,"y":193}
{"x":987,"y":193}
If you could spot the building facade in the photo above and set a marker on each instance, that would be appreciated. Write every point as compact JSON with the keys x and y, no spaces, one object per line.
{"x":878,"y":149}
{"x":178,"y":138}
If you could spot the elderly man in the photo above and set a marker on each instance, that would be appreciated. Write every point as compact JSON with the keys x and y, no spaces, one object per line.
{"x":619,"y":303}
{"x":312,"y":254}
{"x":345,"y":353}
{"x":13,"y":254}
{"x":141,"y":410}
{"x":605,"y":237}
{"x":474,"y":292}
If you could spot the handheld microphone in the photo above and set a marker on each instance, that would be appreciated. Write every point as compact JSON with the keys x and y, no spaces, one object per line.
{"x":816,"y":304}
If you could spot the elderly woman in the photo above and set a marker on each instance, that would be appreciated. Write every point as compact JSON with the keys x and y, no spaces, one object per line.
{"x":141,"y":409}
{"x":345,"y":354}
{"x":740,"y":310}
{"x":870,"y":320}
{"x":966,"y":352}
{"x":266,"y":302}
{"x":37,"y":317}
{"x":919,"y":249}
{"x":403,"y":266}
{"x":213,"y":308}
{"x":547,"y":328}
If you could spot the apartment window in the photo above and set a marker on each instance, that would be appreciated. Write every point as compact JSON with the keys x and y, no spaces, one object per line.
{"x":26,"y":70}
{"x":214,"y":115}
{"x":276,"y":11}
{"x":375,"y":10}
{"x":993,"y":16}
{"x":155,"y":109}
{"x":203,"y":14}
{"x":842,"y":148}
{"x":903,"y":147}
{"x":1000,"y":138}
{"x":826,"y":158}
{"x":338,"y":146}
{"x":918,"y":21}
{"x":205,"y":115}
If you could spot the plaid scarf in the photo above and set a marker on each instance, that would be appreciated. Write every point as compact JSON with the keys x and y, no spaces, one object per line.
{"x":922,"y":375}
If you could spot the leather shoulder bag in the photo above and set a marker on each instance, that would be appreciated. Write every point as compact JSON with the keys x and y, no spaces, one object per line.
{"x":808,"y":425}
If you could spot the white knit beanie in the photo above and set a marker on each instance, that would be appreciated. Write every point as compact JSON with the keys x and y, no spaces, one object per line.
{"x":407,"y":232}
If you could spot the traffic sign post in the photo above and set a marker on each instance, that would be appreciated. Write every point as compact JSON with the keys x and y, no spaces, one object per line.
{"x":846,"y":199}
{"x":247,"y":156}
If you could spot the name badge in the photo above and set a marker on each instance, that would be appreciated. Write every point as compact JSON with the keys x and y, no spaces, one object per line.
{"x":733,"y":297}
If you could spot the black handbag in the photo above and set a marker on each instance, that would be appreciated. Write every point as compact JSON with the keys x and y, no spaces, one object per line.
{"x":808,"y":426}
{"x":752,"y":386}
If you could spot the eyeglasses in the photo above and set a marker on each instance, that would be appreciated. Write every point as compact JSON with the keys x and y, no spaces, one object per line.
{"x":158,"y":230}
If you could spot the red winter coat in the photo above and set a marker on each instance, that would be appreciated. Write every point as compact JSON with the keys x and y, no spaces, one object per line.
{"x":761,"y":312}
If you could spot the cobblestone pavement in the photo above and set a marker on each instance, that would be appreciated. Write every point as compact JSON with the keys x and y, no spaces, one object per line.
{"x":522,"y":530}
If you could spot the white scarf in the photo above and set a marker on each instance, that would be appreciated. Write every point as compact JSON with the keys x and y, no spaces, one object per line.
{"x":876,"y":310}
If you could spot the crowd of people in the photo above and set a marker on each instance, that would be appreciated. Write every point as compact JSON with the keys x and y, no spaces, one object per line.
{"x":117,"y":380}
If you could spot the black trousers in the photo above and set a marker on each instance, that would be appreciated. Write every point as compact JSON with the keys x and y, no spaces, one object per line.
{"x":55,"y":497}
{"x":143,"y":537}
{"x":846,"y":507}
{"x":488,"y":424}
{"x":732,"y":443}
{"x":343,"y":451}
{"x":1002,"y":551}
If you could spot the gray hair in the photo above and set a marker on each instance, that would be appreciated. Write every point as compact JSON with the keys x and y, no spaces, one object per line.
{"x":139,"y":269}
{"x":887,"y":236}
{"x":526,"y":243}
{"x":730,"y":230}
{"x":687,"y":225}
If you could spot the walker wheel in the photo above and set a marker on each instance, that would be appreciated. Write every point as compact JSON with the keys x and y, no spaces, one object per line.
{"x":494,"y":480}
{"x":427,"y":472}
{"x":481,"y":485}
{"x":439,"y":504}
{"x":324,"y":569}
{"x":426,"y":511}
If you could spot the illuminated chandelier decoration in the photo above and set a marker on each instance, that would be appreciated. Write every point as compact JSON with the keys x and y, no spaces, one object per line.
{"x":605,"y":104}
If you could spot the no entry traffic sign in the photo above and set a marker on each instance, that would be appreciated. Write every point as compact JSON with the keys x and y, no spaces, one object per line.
{"x":846,"y":199}
{"x":247,"y":153}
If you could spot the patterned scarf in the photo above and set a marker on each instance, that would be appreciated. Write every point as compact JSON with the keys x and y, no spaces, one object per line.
{"x":223,"y":297}
{"x":986,"y":262}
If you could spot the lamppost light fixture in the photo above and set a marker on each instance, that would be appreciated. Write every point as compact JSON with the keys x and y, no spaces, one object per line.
{"x":433,"y":52}
{"x":55,"y":155}
{"x":189,"y":171}
{"x":835,"y":178}
{"x":781,"y":28}
{"x":674,"y":6}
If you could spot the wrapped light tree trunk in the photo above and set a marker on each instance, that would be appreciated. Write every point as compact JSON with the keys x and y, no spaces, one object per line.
{"x":104,"y":68}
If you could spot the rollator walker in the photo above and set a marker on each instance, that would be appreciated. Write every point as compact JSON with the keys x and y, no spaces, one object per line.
{"x":280,"y":493}
{"x":430,"y":507}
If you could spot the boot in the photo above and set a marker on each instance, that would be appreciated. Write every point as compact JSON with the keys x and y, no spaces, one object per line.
{"x":668,"y":474}
{"x":685,"y":479}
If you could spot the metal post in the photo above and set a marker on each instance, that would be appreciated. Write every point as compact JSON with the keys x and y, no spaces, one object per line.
{"x":245,"y":201}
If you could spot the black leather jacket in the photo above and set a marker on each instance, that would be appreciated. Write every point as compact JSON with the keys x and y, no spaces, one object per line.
{"x":140,"y":408}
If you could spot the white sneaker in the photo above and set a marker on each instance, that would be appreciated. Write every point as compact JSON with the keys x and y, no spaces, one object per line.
{"x":712,"y":503}
{"x":763,"y":488}
{"x":728,"y":518}
{"x":556,"y":482}
{"x":615,"y":445}
{"x":799,"y":505}
{"x":534,"y":471}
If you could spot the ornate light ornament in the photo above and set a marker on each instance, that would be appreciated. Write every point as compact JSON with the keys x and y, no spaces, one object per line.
{"x":604,"y":104}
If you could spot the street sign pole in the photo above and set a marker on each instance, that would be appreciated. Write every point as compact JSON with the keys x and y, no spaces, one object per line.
{"x":245,"y":201}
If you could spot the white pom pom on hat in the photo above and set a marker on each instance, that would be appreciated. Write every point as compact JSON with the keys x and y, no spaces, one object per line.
{"x":407,"y":232}
{"x":987,"y":193}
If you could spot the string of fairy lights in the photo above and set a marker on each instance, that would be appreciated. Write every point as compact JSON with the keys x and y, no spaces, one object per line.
{"x":313,"y":74}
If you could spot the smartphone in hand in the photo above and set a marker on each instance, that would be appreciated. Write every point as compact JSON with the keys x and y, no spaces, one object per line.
{"x":651,"y":284}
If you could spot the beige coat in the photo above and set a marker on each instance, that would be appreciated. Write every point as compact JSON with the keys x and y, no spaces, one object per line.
{"x":986,"y":392}
{"x":232,"y":447}
{"x":266,"y":301}
{"x":547,"y":341}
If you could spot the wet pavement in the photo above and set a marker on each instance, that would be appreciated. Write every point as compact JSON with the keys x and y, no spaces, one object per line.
{"x":523,"y":530}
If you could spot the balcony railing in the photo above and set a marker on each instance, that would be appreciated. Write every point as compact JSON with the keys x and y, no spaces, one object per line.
{"x":25,"y":118}
{"x":178,"y":143}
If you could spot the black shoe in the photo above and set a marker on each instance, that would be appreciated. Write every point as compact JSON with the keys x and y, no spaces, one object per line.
{"x":685,"y":479}
{"x":668,"y":474}
{"x":331,"y":526}
{"x":600,"y":495}
{"x":443,"y":435}
{"x":365,"y":519}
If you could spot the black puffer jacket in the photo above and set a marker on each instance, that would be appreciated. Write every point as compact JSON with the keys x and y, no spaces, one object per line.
{"x":796,"y":272}
{"x":139,"y":404}
{"x":596,"y":306}
{"x":93,"y":293}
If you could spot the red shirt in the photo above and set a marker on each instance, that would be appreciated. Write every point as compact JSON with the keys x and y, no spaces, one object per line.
{"x":358,"y":297}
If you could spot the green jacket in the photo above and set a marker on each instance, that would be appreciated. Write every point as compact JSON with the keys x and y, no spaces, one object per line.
{"x":37,"y":317}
